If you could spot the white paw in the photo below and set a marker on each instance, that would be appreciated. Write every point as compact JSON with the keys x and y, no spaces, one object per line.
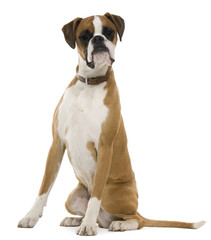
{"x":123,"y":225}
{"x":28,"y":221}
{"x":116,"y":226}
{"x":32,"y":217}
{"x":71,"y":222}
{"x":87,"y":229}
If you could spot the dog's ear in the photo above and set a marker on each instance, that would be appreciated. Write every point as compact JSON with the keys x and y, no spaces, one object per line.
{"x":69,"y":31}
{"x":118,"y":22}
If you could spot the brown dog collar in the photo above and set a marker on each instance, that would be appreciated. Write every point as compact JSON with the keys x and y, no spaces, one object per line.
{"x":94,"y":81}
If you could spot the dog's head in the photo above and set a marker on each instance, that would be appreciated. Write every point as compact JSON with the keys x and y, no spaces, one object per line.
{"x":95,"y":37}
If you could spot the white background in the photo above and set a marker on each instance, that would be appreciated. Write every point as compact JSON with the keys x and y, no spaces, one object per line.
{"x":163,"y":70}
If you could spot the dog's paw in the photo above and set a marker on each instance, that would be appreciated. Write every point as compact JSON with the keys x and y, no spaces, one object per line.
{"x":71,"y":222}
{"x":123,"y":225}
{"x":28,"y":221}
{"x":87,"y":229}
{"x":31,"y":218}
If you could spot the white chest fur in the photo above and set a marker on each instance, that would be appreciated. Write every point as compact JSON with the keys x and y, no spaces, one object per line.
{"x":80,"y":119}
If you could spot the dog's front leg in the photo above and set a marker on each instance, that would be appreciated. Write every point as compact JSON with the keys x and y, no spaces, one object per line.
{"x":54,"y":159}
{"x":104,"y":159}
{"x":88,"y":226}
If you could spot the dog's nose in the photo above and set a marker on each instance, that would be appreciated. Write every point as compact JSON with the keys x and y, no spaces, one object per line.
{"x":97,"y":39}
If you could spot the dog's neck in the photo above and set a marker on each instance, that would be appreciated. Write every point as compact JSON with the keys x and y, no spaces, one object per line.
{"x":86,"y":72}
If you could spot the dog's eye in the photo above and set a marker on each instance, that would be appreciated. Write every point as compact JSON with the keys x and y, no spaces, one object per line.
{"x":85,"y":36}
{"x":108,"y":33}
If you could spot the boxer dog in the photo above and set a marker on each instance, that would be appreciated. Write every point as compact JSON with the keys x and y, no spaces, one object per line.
{"x":88,"y":124}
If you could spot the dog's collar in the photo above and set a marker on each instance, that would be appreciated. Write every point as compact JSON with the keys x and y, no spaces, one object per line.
{"x":95,"y":81}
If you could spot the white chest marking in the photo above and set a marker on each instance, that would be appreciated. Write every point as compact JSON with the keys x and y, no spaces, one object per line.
{"x":80,"y":119}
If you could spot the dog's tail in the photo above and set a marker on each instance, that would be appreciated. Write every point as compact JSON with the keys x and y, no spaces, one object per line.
{"x":171,"y":224}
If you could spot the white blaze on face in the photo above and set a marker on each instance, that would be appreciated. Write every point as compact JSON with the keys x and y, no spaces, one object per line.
{"x":97,"y":31}
{"x":104,"y":57}
{"x":97,"y":26}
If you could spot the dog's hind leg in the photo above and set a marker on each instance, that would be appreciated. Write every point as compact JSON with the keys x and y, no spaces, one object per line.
{"x":76,"y":204}
{"x":105,"y":219}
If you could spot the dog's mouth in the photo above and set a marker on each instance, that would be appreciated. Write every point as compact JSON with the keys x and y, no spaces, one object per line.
{"x":100,"y":55}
